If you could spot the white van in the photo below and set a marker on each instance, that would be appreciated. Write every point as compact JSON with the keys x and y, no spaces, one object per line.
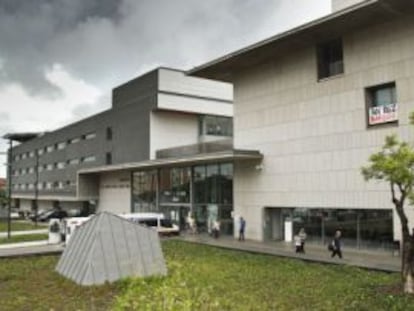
{"x":69,"y":226}
{"x":157,"y":221}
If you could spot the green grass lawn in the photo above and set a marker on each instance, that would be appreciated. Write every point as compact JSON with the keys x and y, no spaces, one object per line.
{"x":18,"y":225}
{"x":24,"y":238}
{"x":205,"y":278}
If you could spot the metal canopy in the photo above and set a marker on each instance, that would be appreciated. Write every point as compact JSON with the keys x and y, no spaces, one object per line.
{"x":214,"y":157}
{"x":21,"y":137}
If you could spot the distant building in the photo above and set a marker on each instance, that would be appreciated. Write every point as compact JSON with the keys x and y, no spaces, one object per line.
{"x":165,"y":145}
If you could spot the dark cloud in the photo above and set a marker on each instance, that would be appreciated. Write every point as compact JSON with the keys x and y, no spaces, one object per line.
{"x":104,"y":41}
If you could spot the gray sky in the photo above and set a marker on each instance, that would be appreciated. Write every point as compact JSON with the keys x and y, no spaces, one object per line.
{"x":59,"y":59}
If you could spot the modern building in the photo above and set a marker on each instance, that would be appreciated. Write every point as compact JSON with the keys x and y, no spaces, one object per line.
{"x":166,"y":137}
{"x":316,"y":101}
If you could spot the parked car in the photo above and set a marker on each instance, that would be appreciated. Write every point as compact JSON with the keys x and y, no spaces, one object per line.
{"x":59,"y":214}
{"x":32,"y":215}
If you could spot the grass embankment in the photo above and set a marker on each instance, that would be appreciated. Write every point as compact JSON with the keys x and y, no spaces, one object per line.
{"x":24,"y":238}
{"x":18,"y":225}
{"x":205,"y":278}
{"x":32,"y":284}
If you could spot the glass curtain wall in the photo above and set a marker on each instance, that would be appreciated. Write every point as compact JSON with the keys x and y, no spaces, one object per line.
{"x":205,"y":190}
{"x":360,"y":228}
{"x":144,"y":191}
{"x":213,"y":196}
{"x":174,"y":194}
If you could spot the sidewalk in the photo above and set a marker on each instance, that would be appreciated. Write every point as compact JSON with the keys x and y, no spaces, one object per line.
{"x":376,"y":260}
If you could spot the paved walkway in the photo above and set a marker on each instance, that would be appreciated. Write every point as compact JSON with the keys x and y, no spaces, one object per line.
{"x":377,"y":260}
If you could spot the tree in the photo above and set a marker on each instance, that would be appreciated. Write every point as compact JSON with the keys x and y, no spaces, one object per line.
{"x":395,"y":165}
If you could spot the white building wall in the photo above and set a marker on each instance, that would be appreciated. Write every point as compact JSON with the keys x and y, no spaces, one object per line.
{"x":172,"y":129}
{"x":115,"y":192}
{"x":174,"y":102}
{"x":314,"y":135}
{"x":172,"y":81}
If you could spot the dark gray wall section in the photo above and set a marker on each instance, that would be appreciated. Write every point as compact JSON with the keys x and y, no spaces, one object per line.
{"x":139,"y":89}
{"x":130,"y":121}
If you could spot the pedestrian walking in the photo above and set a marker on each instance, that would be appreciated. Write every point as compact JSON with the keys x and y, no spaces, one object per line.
{"x":216,"y":229}
{"x":336,"y":245}
{"x":298,"y":244}
{"x":302,"y":236}
{"x":242,"y":228}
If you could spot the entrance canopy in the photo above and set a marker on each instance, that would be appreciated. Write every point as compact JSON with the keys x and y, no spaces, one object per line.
{"x":214,"y":157}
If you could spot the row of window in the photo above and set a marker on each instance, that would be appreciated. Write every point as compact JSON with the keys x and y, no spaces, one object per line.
{"x":46,"y":185}
{"x":381,"y":100}
{"x":53,"y":166}
{"x":57,"y":146}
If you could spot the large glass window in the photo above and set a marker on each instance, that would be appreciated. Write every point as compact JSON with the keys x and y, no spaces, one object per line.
{"x":175,"y":185}
{"x":216,"y":126}
{"x":360,"y":228}
{"x":144,"y":191}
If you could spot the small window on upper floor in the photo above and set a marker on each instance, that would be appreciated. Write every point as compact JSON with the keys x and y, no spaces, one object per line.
{"x":61,"y":145}
{"x":88,"y":159}
{"x":109,"y":133}
{"x":108,"y":158}
{"x":89,"y":136}
{"x":330,"y":59}
{"x":381,"y":101}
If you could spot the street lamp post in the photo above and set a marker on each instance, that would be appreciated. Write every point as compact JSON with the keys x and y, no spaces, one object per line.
{"x":9,"y":179}
{"x":36,"y":194}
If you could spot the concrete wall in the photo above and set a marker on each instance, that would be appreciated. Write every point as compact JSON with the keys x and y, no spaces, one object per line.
{"x":115,"y":192}
{"x":314,"y":135}
{"x":171,"y":129}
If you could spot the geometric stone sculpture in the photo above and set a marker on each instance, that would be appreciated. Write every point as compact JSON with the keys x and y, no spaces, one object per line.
{"x":108,"y":247}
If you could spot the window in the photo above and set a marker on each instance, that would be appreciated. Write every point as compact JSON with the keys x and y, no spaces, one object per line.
{"x":60,"y":165}
{"x":330,"y":59}
{"x":381,"y":104}
{"x":50,"y":148}
{"x":73,"y":161}
{"x":75,"y":140}
{"x":49,"y":167}
{"x":61,"y":146}
{"x":40,"y":151}
{"x":31,"y":154}
{"x":31,"y":170}
{"x":23,"y":156}
{"x":88,"y":159}
{"x":89,"y":136}
{"x":216,"y":126}
{"x":108,"y":158}
{"x":108,"y":133}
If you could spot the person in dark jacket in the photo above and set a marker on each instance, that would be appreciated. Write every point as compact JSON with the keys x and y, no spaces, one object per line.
{"x":242,"y":228}
{"x":336,"y":243}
